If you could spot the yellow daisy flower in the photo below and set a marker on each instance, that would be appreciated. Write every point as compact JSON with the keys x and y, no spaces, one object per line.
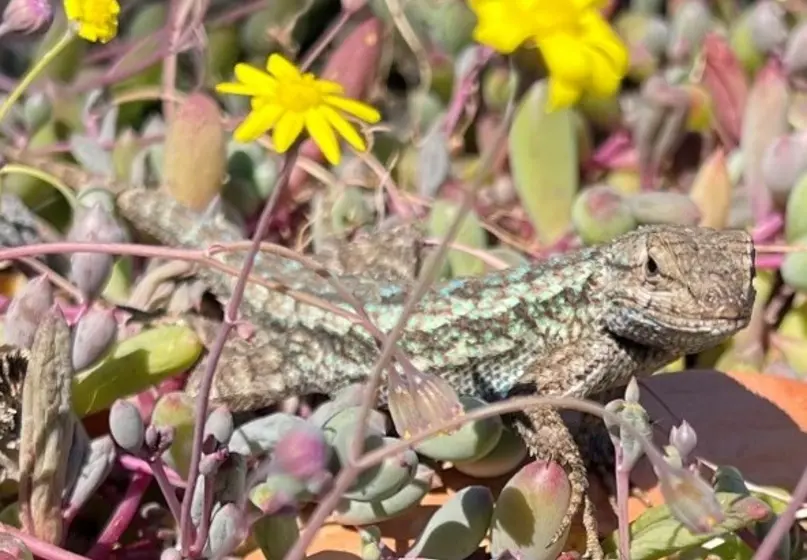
{"x":581,"y":50}
{"x":97,"y":19}
{"x":287,"y":100}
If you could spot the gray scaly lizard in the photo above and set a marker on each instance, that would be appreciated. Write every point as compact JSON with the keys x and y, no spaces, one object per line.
{"x":575,"y":325}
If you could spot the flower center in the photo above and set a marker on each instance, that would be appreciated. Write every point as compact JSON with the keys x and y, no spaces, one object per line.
{"x":299,"y":95}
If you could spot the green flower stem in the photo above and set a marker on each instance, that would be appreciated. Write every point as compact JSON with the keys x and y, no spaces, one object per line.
{"x":43,"y":176}
{"x":48,"y":57}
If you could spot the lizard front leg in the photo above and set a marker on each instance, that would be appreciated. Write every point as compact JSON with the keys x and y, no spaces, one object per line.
{"x":578,"y":368}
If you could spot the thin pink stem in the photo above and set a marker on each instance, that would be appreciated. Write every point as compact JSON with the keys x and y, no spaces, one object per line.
{"x":469,"y":82}
{"x":158,"y":469}
{"x":221,"y":339}
{"x":204,"y":522}
{"x":138,"y":465}
{"x":40,"y":548}
{"x":355,"y":464}
{"x":622,"y":483}
{"x":767,"y":229}
{"x":231,"y":16}
{"x":769,"y":262}
{"x":123,"y":515}
{"x":325,"y":39}
{"x":768,"y":547}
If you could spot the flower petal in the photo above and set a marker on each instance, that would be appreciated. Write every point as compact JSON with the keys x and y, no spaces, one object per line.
{"x":562,"y":94}
{"x":235,"y":88}
{"x":501,"y":25}
{"x":281,"y":68}
{"x":605,"y":79}
{"x":566,"y":58}
{"x":600,"y":35}
{"x":97,"y":21}
{"x":248,"y":74}
{"x":257,"y":123}
{"x":287,"y":129}
{"x":328,"y":87}
{"x":344,"y":128}
{"x":72,"y":9}
{"x":358,"y":109}
{"x":323,"y":135}
{"x":590,"y":4}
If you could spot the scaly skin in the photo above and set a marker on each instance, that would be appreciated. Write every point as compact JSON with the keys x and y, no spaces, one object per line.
{"x":575,"y":325}
{"x":484,"y":334}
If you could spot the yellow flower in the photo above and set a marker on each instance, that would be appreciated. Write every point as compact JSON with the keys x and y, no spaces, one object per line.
{"x":287,"y":100}
{"x":97,"y":19}
{"x":581,"y":51}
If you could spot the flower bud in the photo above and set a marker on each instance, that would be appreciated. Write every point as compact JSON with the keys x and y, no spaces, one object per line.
{"x":302,"y":452}
{"x":26,"y":310}
{"x":210,"y":464}
{"x":90,"y":271}
{"x":690,"y":499}
{"x":158,"y":438}
{"x":25,"y":16}
{"x":219,"y":425}
{"x":684,"y":439}
{"x":93,"y":336}
{"x":126,"y":426}
{"x":418,"y":401}
{"x":630,"y":412}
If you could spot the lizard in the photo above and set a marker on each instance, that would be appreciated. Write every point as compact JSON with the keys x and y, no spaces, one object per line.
{"x":577,"y":324}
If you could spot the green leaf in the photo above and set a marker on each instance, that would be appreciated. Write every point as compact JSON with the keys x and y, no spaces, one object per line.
{"x":656,"y":533}
{"x":176,"y":410}
{"x":544,"y":163}
{"x":470,"y":234}
{"x":133,"y":365}
{"x":732,"y":548}
{"x":275,"y":534}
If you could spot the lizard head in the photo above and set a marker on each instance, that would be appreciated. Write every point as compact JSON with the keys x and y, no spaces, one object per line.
{"x":679,"y":288}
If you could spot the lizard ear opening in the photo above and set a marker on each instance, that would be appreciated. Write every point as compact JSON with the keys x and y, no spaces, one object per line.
{"x":651,"y":268}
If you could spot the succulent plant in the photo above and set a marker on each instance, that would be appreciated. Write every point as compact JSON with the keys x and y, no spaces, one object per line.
{"x":509,"y":453}
{"x":529,"y":510}
{"x":93,"y":336}
{"x":470,"y":442}
{"x":456,"y":529}
{"x":664,"y":208}
{"x":26,"y":311}
{"x":355,"y":512}
{"x":697,"y":117}
{"x":600,"y":213}
{"x":126,"y":426}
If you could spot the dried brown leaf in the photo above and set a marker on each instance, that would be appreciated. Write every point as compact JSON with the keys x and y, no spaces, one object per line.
{"x":47,"y":427}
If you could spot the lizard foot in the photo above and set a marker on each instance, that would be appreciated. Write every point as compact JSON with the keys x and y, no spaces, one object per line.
{"x":548,"y":438}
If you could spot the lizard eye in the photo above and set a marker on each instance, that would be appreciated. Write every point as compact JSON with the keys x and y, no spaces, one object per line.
{"x":651,"y":267}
